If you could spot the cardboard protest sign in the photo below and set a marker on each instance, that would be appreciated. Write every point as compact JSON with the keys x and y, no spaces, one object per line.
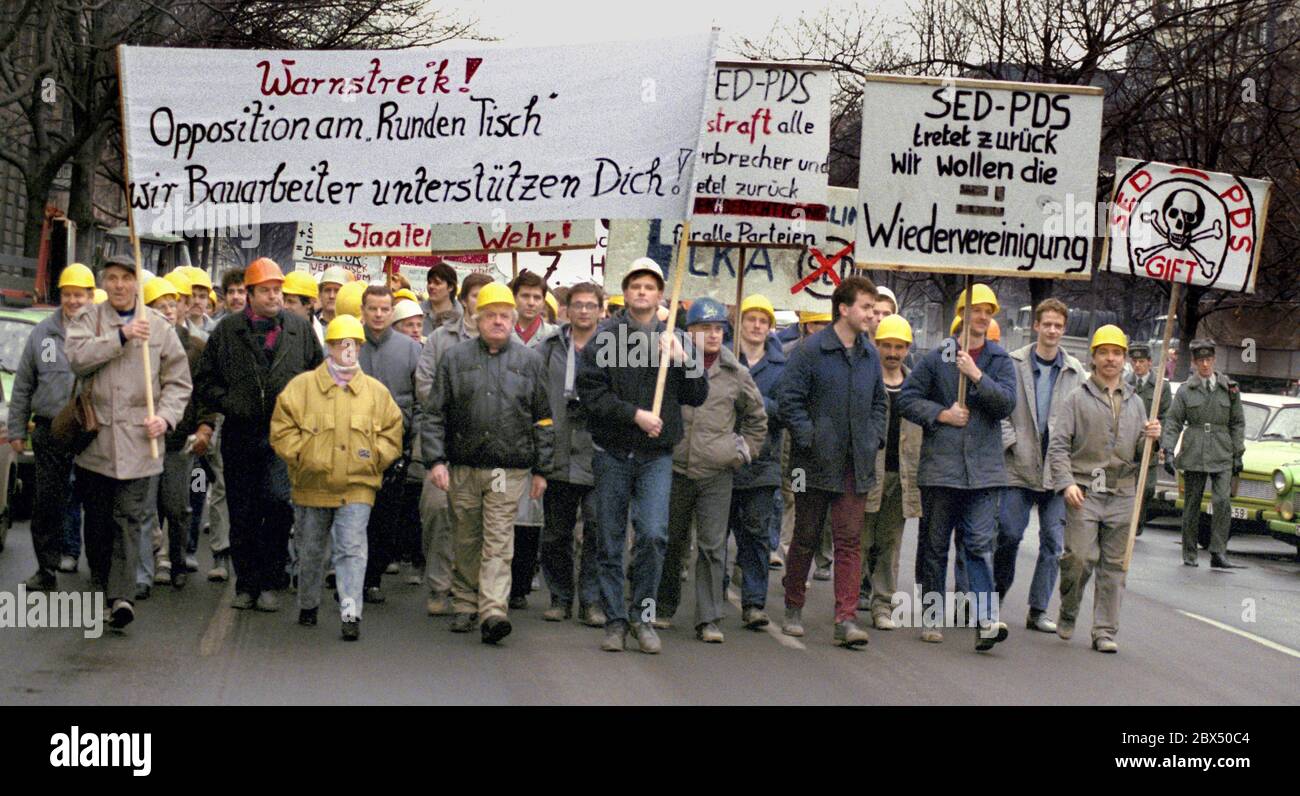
{"x":978,"y":177}
{"x":565,"y":266}
{"x":760,"y":179}
{"x":416,"y":269}
{"x":1185,"y":225}
{"x":306,"y":258}
{"x":415,"y":240}
{"x":791,"y":279}
{"x":442,"y":135}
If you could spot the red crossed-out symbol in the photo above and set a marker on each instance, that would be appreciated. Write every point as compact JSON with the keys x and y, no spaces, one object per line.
{"x":824,"y":266}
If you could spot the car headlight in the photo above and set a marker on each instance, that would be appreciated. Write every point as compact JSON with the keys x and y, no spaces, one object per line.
{"x":1281,"y":481}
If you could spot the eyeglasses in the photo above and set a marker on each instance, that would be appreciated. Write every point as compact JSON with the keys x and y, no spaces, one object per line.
{"x":583,"y":306}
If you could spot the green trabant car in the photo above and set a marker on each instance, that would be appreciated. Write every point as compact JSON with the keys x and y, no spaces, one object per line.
{"x":1267,"y":498}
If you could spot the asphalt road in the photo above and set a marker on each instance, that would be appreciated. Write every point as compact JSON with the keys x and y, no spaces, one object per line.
{"x":1183,"y":640}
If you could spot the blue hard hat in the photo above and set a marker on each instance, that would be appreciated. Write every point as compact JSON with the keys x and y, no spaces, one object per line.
{"x":706,"y":310}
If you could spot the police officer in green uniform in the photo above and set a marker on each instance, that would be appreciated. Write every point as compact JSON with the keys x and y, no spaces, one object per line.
{"x":1143,"y":382}
{"x":1207,"y":411}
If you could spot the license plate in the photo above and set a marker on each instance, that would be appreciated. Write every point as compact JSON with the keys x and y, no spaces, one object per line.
{"x":1238,"y":513}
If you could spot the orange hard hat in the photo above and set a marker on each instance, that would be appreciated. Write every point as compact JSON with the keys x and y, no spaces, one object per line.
{"x":261,"y":270}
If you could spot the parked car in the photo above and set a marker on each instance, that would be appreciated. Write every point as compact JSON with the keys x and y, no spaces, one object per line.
{"x":1282,"y":435}
{"x":15,"y":327}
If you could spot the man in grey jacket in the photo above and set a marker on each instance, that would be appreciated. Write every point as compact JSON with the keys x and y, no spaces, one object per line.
{"x":435,"y":514}
{"x":391,"y":358}
{"x":1093,"y":457}
{"x":1046,"y":374}
{"x":569,"y":484}
{"x":487,"y":429}
{"x":42,"y":386}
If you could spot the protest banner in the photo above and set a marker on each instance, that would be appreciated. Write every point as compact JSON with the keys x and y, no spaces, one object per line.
{"x":416,"y":240}
{"x":760,"y":178}
{"x":416,"y":269}
{"x":307,"y":258}
{"x":1182,"y":226}
{"x":791,"y":279}
{"x":978,"y":177}
{"x":443,"y":135}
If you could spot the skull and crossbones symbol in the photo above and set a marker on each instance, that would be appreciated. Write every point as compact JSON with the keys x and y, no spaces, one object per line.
{"x":1183,"y":212}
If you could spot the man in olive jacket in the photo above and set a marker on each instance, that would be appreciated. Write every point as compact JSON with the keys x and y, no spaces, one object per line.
{"x":487,"y":428}
{"x":1208,"y":406}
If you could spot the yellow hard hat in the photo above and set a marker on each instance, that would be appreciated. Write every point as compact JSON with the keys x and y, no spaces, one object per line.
{"x":77,"y":275}
{"x":348,"y":301}
{"x":406,"y":309}
{"x":101,"y":295}
{"x":344,"y":327}
{"x":956,"y":324}
{"x":981,"y":294}
{"x":615,"y":300}
{"x":198,"y":277}
{"x":894,"y":327}
{"x":184,"y":285}
{"x":761,"y":303}
{"x":814,"y":317}
{"x":1110,"y":334}
{"x":494,"y":293}
{"x":552,"y":303}
{"x":300,"y":283}
{"x":158,"y":287}
{"x":405,"y":293}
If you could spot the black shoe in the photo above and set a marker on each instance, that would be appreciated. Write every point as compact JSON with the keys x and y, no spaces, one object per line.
{"x":495,"y":629}
{"x":142,"y":592}
{"x":123,"y":614}
{"x":307,"y":617}
{"x":352,"y":630}
{"x":463,"y":623}
{"x":179,"y":579}
{"x":518,"y":603}
{"x":1219,"y":561}
{"x":1190,"y":562}
{"x":43,"y":580}
{"x":374,"y":595}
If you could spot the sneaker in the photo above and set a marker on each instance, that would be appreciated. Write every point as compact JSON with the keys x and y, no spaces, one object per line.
{"x":557,"y":613}
{"x":793,"y":623}
{"x":393,"y":569}
{"x":774,"y":561}
{"x":615,"y":638}
{"x":267,"y":602}
{"x":518,"y":603}
{"x":67,"y":564}
{"x":43,"y":580}
{"x":220,"y":571}
{"x":591,"y":616}
{"x":463,"y":623}
{"x":414,"y":579}
{"x":179,"y":580}
{"x":242,"y":601}
{"x":848,"y":634}
{"x":437,"y":606}
{"x":662,"y":623}
{"x":374,"y":594}
{"x":307,"y":617}
{"x":495,"y":629}
{"x":191,"y":563}
{"x":990,"y":634}
{"x":123,"y":614}
{"x":931,"y":636}
{"x":882,"y":621}
{"x":162,"y":576}
{"x":709,"y":633}
{"x":1037,"y":620}
{"x":142,"y":591}
{"x":352,"y":630}
{"x":822,"y":573}
{"x":1064,"y":628}
{"x":754,"y":618}
{"x":647,"y":638}
{"x":1105,"y":645}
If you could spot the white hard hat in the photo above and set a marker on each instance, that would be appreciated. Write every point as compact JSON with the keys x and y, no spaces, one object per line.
{"x":406,"y":309}
{"x":643,"y":265}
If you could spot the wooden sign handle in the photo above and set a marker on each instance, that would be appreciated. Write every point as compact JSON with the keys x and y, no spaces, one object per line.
{"x":678,"y":269}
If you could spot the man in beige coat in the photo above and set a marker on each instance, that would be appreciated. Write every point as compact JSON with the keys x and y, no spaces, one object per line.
{"x":112,"y":475}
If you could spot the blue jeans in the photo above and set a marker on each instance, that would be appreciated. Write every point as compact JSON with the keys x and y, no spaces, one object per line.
{"x":751,"y":514}
{"x":1013,"y":517}
{"x":972,"y":513}
{"x":346,"y":527}
{"x":642,"y":483}
{"x":774,"y":523}
{"x":72,"y":522}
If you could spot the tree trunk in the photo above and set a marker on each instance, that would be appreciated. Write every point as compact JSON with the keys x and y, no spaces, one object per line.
{"x":81,"y":195}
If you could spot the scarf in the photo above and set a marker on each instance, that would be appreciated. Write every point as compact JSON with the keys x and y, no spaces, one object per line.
{"x":342,"y":374}
{"x":265,"y":329}
{"x":527,"y":334}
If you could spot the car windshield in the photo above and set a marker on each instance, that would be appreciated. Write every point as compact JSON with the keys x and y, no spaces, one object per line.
{"x":1285,"y":425}
{"x":1255,"y":417}
{"x":13,"y":336}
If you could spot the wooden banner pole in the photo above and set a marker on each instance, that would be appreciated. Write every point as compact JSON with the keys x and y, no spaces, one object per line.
{"x":678,"y":269}
{"x":740,"y":296}
{"x":141,"y":311}
{"x":965,"y":340}
{"x":514,"y":265}
{"x":1154,"y":414}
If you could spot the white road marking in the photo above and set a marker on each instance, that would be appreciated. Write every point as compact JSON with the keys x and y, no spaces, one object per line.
{"x":220,"y":623}
{"x":771,"y":628}
{"x":1273,"y":645}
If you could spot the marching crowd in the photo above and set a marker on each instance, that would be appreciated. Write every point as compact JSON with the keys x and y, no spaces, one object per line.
{"x":331,"y":431}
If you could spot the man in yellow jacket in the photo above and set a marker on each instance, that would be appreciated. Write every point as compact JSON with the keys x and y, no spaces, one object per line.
{"x":337,"y":430}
